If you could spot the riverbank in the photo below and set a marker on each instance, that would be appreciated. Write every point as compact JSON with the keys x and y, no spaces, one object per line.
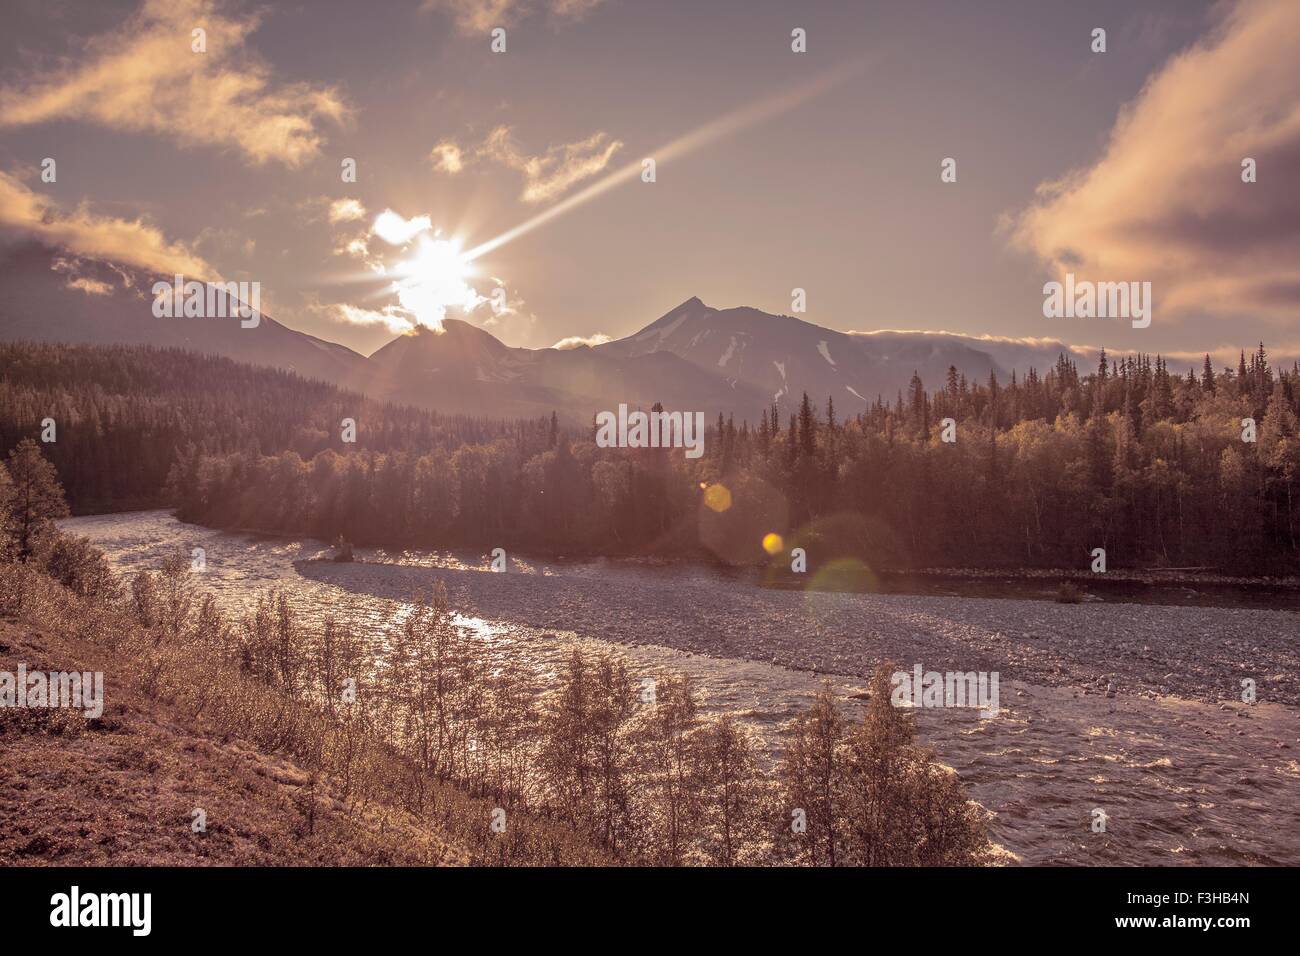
{"x":1134,"y":709}
{"x":1175,"y":587}
{"x":123,"y":789}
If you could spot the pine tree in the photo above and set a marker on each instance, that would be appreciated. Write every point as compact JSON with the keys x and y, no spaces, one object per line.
{"x":807,"y":428}
{"x":36,"y":499}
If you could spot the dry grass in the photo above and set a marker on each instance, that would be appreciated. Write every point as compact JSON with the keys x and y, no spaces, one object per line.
{"x":285,"y":782}
{"x":254,"y":723}
{"x":121,"y":789}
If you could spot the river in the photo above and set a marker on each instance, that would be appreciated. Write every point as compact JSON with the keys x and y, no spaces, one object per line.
{"x":1130,"y":710}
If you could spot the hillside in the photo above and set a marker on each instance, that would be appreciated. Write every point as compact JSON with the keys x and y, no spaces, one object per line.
{"x":39,"y":303}
{"x":120,"y":790}
{"x":736,"y":361}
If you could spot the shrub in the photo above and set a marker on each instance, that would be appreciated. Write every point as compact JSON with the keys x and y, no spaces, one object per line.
{"x":871,"y":796}
{"x":1069,"y":593}
{"x":78,"y":565}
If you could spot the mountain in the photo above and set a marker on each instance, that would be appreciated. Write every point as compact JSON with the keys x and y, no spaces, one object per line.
{"x":465,"y":369}
{"x":694,"y":358}
{"x":968,"y":353}
{"x":112,"y":305}
{"x":783,"y":357}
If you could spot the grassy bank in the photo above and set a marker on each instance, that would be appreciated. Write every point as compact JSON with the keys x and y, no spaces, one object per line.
{"x":405,"y":744}
{"x":123,"y":789}
{"x":279,"y":781}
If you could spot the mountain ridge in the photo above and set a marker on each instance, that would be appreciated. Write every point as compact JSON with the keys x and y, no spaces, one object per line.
{"x":738,"y":360}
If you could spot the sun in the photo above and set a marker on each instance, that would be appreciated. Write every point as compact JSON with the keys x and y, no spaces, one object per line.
{"x":435,"y":262}
{"x":433,"y":279}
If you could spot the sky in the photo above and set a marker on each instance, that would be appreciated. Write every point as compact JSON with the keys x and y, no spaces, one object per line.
{"x":774,"y":169}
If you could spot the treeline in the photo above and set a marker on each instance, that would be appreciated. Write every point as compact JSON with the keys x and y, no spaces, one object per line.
{"x":1131,"y":457}
{"x":603,"y":766}
{"x":1148,"y":465}
{"x":124,"y":415}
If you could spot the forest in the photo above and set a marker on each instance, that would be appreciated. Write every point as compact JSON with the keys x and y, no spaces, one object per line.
{"x":1161,"y":469}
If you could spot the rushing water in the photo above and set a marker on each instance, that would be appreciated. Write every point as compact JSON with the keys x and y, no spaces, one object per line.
{"x":1180,"y":781}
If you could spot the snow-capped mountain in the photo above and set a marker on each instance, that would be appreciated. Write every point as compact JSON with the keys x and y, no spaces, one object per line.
{"x":783,"y":357}
{"x":695,"y":358}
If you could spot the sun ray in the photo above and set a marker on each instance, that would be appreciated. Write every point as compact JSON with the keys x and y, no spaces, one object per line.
{"x":725,"y":125}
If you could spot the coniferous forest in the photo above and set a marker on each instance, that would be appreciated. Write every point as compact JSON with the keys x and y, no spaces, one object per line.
{"x":1154,"y":465}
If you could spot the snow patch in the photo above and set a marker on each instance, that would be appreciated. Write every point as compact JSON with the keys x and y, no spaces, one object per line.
{"x":726,"y":356}
{"x":854,"y":391}
{"x":698,"y":336}
{"x":663,"y":333}
{"x":824,"y":348}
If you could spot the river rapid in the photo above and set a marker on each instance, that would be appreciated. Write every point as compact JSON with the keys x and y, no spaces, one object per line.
{"x":1133,"y":710}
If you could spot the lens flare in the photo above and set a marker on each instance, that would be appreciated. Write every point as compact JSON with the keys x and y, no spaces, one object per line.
{"x":717,"y":498}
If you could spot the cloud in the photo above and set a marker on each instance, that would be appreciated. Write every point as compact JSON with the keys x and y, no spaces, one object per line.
{"x":145,"y":77}
{"x":90,"y":286}
{"x":1024,"y":352}
{"x":578,"y":341}
{"x":346,"y":210}
{"x":1165,"y":202}
{"x":548,"y":175}
{"x":508,"y":318}
{"x":357,"y":247}
{"x":82,"y":232}
{"x":396,"y":231}
{"x":392,"y":317}
{"x":574,"y":9}
{"x":480,"y":16}
{"x":998,"y":339}
{"x":446,"y":157}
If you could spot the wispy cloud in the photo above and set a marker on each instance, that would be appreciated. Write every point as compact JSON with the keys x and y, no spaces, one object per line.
{"x":392,"y":317}
{"x":546,"y":175}
{"x":479,"y":16}
{"x":512,"y":322}
{"x":90,"y":286}
{"x":1166,"y":203}
{"x":346,"y":210}
{"x":574,"y":9}
{"x":131,"y":242}
{"x":145,"y":77}
{"x":578,"y":341}
{"x":447,"y":157}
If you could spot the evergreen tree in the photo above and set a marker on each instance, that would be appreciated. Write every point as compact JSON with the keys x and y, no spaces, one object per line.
{"x":36,"y":497}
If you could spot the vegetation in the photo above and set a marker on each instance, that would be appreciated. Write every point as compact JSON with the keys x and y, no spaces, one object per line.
{"x":604,"y":767}
{"x":1068,"y":593}
{"x":1132,"y":458}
